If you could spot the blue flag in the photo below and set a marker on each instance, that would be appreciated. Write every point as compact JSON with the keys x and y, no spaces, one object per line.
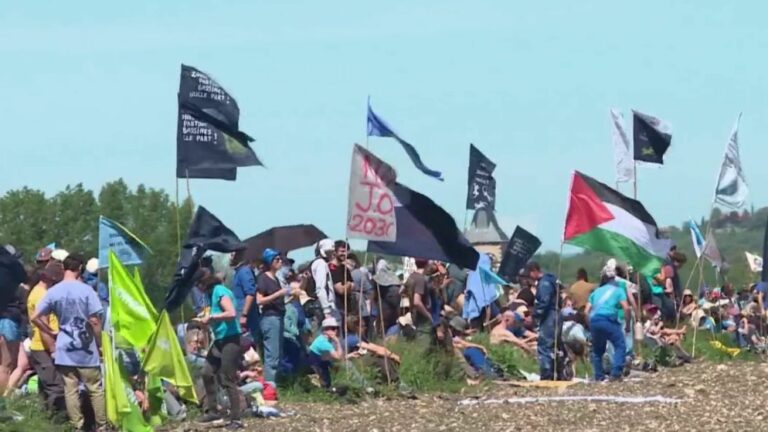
{"x":378,"y":127}
{"x":113,"y":236}
{"x":481,"y":289}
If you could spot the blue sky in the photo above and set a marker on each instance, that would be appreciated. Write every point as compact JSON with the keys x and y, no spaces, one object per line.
{"x":89,"y":95}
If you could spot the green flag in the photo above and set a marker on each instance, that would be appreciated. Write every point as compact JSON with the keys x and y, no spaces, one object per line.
{"x":120,"y":411}
{"x":132,"y":314}
{"x":164,"y":359}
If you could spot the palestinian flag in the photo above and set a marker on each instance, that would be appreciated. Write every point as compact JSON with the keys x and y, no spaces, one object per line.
{"x":602,"y":219}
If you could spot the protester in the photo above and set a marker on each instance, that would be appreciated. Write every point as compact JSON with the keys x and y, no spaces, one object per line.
{"x":244,"y":290}
{"x":78,"y":311}
{"x":579,"y":292}
{"x":502,"y":332}
{"x":270,"y":297}
{"x":254,"y":386}
{"x":363,"y":287}
{"x":323,"y":289}
{"x":325,"y":350}
{"x":545,"y":313}
{"x":342,"y":281}
{"x":671,"y":274}
{"x":223,"y":358}
{"x":12,"y":274}
{"x":603,"y":313}
{"x":417,"y":290}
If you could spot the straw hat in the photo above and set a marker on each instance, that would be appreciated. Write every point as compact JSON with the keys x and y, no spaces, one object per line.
{"x":687,"y":292}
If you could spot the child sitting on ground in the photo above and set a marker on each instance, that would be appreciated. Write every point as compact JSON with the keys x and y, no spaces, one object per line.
{"x":655,"y":331}
{"x":257,"y":391}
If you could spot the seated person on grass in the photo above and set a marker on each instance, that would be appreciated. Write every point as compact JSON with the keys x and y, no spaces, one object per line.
{"x":503,"y":333}
{"x":475,"y":356}
{"x":256,"y":390}
{"x":325,"y":350}
{"x":656,"y":333}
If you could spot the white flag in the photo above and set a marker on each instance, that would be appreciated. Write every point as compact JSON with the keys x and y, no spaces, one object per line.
{"x":755,"y":262}
{"x":711,"y":252}
{"x":731,"y":190}
{"x":371,"y":210}
{"x":625,"y":166}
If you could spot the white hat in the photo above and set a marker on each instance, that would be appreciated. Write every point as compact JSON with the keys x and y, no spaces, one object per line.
{"x":325,"y":245}
{"x":251,"y":357}
{"x":330,"y":322}
{"x":405,"y":320}
{"x":92,"y":266}
{"x":59,"y":254}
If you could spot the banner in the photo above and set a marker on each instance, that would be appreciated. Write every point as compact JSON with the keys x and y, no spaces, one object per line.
{"x":371,"y":208}
{"x":518,"y":252}
{"x":209,"y":143}
{"x":481,"y":186}
{"x":625,"y":166}
{"x":731,"y":190}
{"x":116,"y":238}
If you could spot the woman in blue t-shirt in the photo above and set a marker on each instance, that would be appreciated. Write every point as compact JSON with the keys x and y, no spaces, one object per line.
{"x":223,"y":359}
{"x":326,"y":349}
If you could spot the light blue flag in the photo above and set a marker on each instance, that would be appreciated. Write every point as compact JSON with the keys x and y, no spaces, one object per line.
{"x":696,"y":238}
{"x":479,"y":293}
{"x":113,"y":236}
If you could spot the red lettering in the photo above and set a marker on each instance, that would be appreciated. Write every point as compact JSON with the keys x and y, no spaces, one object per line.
{"x":369,"y":225}
{"x":385,"y":205}
{"x":367,"y":208}
{"x":355,"y":222}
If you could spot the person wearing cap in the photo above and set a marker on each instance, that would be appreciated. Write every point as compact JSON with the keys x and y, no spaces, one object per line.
{"x":325,"y":350}
{"x":321,"y":275}
{"x":43,"y":257}
{"x":244,"y":289}
{"x":603,"y":313}
{"x":223,"y":358}
{"x":91,"y":277}
{"x":545,"y":313}
{"x":270,"y":297}
{"x":42,"y":345}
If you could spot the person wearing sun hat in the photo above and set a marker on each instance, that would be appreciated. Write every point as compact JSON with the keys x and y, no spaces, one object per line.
{"x":324,"y":350}
{"x":270,"y":297}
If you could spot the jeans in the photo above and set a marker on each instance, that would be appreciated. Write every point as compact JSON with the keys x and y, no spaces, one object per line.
{"x":322,"y":368}
{"x":605,"y":329}
{"x":546,"y":347}
{"x":50,"y":383}
{"x":222,"y":362}
{"x":272,"y":334}
{"x":91,"y":378}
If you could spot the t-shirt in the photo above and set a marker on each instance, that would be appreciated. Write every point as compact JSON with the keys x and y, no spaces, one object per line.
{"x":268,"y":286}
{"x":244,"y":284}
{"x":37,"y":294}
{"x":351,"y":343}
{"x":341,"y":274}
{"x":457,"y":284}
{"x":321,"y":345}
{"x":230,"y":327}
{"x":73,"y":303}
{"x":579,"y":293}
{"x":417,"y":284}
{"x":606,"y":300}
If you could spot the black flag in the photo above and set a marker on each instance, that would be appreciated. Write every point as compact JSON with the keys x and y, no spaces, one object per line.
{"x":206,"y":233}
{"x":651,"y":138}
{"x":481,"y":186}
{"x":426,"y":230}
{"x":209,"y":143}
{"x":519,"y":250}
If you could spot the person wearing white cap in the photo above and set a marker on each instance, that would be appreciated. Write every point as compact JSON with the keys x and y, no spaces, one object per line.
{"x":321,"y":274}
{"x":325,"y":349}
{"x":59,"y":255}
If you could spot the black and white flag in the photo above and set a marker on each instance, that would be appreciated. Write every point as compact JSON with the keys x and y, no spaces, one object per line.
{"x":481,"y":186}
{"x":732,"y":190}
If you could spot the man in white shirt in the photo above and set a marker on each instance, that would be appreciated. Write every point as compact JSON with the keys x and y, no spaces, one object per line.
{"x":322,"y":276}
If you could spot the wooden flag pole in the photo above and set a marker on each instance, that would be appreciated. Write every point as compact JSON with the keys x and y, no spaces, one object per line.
{"x":634,"y":182}
{"x":178,"y":219}
{"x":557,"y":309}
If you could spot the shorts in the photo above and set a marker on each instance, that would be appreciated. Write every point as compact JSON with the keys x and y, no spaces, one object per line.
{"x":9,"y":329}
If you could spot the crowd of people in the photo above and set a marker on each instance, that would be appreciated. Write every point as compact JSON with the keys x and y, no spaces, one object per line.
{"x":260,"y":323}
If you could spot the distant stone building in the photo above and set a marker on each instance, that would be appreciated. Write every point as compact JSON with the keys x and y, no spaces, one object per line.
{"x":486,"y":236}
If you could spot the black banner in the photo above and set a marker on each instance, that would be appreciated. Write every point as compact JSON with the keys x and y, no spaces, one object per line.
{"x":650,"y":139}
{"x":209,"y":143}
{"x":204,"y":151}
{"x":519,"y":250}
{"x":481,"y":186}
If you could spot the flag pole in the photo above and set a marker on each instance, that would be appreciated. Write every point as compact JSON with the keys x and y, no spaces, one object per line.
{"x":178,"y":219}
{"x":634,"y":182}
{"x":557,"y":309}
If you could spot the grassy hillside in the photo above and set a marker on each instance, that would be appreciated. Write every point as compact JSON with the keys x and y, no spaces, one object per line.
{"x":734,"y":233}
